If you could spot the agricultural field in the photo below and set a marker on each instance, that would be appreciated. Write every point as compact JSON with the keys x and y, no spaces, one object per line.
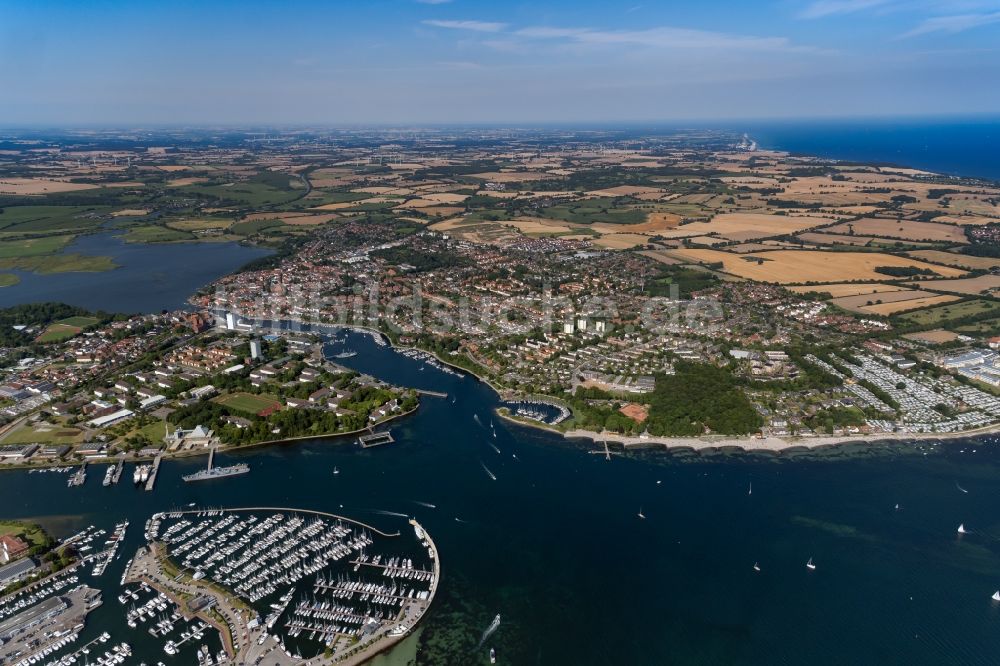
{"x":46,"y":218}
{"x":955,"y":259}
{"x":801,"y":266}
{"x":886,"y":309}
{"x":983,"y":284}
{"x":199,"y":225}
{"x":902,"y":229}
{"x":40,"y":186}
{"x":251,"y":403}
{"x":751,"y":226}
{"x":871,"y":303}
{"x":940,"y":315}
{"x":849,"y":289}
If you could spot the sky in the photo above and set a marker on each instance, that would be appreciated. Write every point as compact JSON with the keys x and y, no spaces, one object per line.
{"x":466,"y":61}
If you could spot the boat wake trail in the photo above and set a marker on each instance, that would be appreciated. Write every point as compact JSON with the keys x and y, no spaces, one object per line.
{"x":427,"y":504}
{"x":390,"y":513}
{"x":475,"y":417}
{"x":487,"y":470}
{"x":961,"y":488}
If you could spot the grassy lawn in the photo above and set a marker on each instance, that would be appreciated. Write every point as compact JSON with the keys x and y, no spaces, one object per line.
{"x":24,"y":219}
{"x":248,"y":402}
{"x":43,"y":433}
{"x":253,"y":227}
{"x":81,"y":322}
{"x":157,"y":430}
{"x":154,"y":233}
{"x":33,"y":534}
{"x":57,"y":333}
{"x":29,"y":247}
{"x":199,"y":225}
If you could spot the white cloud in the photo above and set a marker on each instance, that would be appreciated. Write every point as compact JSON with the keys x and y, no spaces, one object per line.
{"x":475,"y":26}
{"x":663,"y":37}
{"x":823,"y":8}
{"x":953,"y":24}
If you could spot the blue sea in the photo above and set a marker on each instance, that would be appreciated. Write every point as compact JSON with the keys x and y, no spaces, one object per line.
{"x":954,"y":146}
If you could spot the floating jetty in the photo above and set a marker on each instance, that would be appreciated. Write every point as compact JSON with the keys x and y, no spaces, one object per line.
{"x":151,"y":481}
{"x":79,"y":477}
{"x":375,"y":439}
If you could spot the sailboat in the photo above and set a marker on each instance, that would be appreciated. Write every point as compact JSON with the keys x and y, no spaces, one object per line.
{"x":336,"y":470}
{"x":750,"y":492}
{"x":810,"y":565}
{"x":756,"y":566}
{"x":641,"y":515}
{"x":996,"y":596}
{"x":961,"y":528}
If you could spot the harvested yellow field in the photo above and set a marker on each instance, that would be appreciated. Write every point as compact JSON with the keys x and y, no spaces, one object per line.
{"x":955,"y":259}
{"x":966,"y":219}
{"x":857,"y":302}
{"x":130,"y":212}
{"x":537,"y":225}
{"x":170,"y":168}
{"x":751,"y":226}
{"x":33,"y":186}
{"x":935,"y":337}
{"x":838,"y":290}
{"x":661,"y":257}
{"x":903,"y":229}
{"x":972,"y":286}
{"x":621,"y":241}
{"x":834,"y":239}
{"x":798,"y":266}
{"x":190,"y":180}
{"x":886,"y":309}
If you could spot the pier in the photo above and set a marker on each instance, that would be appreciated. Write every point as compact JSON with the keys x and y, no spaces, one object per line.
{"x":117,"y":475}
{"x":433,"y":394}
{"x":375,"y":439}
{"x":79,"y":477}
{"x":151,"y":481}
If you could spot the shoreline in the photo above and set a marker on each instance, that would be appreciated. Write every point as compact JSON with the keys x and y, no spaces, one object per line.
{"x":773,"y":444}
{"x":746,"y":444}
{"x":194,"y":453}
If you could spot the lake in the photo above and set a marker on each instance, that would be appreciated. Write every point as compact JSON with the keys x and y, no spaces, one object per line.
{"x":555,"y":544}
{"x":150,"y":277}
